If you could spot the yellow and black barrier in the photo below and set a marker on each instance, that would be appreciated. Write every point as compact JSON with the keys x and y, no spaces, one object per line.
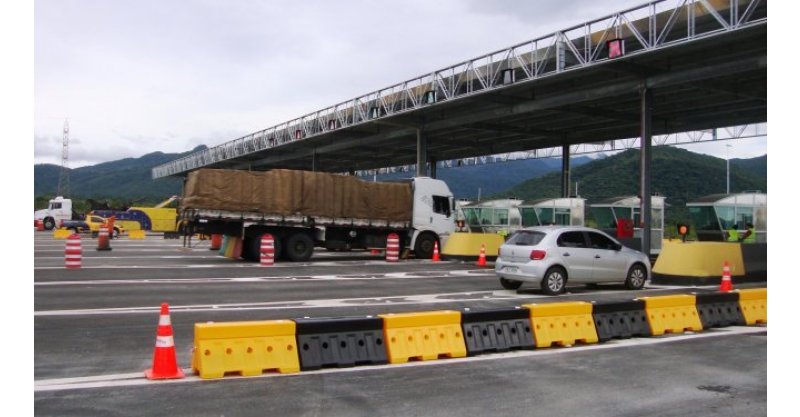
{"x":701,"y":263}
{"x":562,"y":324}
{"x":61,"y":233}
{"x":340,"y":342}
{"x":620,"y":320}
{"x":250,"y":348}
{"x":247,"y":348}
{"x":497,"y":330}
{"x":423,"y":336}
{"x":719,"y":309}
{"x":672,"y":314}
{"x":753,"y":303}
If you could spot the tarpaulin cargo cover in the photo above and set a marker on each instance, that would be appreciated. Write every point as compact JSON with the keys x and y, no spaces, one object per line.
{"x":291,"y":193}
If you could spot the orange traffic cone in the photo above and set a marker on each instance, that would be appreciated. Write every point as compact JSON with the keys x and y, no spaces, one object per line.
{"x":165,"y":362}
{"x":435,"y":252}
{"x":726,"y":285}
{"x":482,"y":257}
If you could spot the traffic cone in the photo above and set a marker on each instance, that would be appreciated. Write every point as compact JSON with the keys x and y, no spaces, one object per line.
{"x":726,"y":285}
{"x":165,"y":362}
{"x":482,"y":257}
{"x":103,"y":239}
{"x":435,"y":252}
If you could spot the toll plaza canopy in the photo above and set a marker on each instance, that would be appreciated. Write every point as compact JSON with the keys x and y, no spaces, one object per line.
{"x":703,"y":64}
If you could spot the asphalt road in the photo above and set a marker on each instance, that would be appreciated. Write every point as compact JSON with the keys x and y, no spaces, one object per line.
{"x":95,"y":333}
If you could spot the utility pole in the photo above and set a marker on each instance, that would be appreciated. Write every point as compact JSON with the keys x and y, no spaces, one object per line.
{"x":63,"y":177}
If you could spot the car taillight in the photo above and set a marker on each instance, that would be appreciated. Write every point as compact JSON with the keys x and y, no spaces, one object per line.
{"x":538,"y":255}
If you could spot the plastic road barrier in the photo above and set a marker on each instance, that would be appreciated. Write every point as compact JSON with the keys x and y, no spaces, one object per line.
{"x":497,"y":330}
{"x":672,"y":314}
{"x":562,"y":324}
{"x":754,"y":305}
{"x":267,"y":250}
{"x":719,"y":309}
{"x":73,"y":252}
{"x":620,"y":319}
{"x":392,"y":247}
{"x":340,"y":342}
{"x":245,"y":348}
{"x":423,"y":336}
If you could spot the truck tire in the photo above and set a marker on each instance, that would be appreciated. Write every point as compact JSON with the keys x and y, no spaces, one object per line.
{"x":423,"y":248}
{"x":49,"y":223}
{"x":299,"y":247}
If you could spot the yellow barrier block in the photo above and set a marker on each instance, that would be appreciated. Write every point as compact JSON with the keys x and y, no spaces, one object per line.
{"x":136,"y":234}
{"x":246,"y":347}
{"x":423,"y":336}
{"x":562,"y":324}
{"x":672,"y":314}
{"x":61,"y":233}
{"x":698,"y":259}
{"x":468,"y":245}
{"x":753,"y":303}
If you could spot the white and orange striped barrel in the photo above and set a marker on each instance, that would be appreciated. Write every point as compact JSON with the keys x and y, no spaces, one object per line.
{"x":267,"y":250}
{"x":73,"y":251}
{"x":392,"y":248}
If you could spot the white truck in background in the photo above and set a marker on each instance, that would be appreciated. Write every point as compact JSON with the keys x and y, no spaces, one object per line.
{"x":303,"y":210}
{"x":58,"y":210}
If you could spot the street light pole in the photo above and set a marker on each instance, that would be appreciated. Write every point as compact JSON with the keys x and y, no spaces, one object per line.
{"x":728,"y":169}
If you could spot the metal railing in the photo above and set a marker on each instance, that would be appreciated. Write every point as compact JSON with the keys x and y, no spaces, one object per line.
{"x":645,"y":28}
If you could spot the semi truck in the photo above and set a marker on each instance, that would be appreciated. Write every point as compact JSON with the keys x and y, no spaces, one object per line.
{"x":303,"y":210}
{"x":58,"y":210}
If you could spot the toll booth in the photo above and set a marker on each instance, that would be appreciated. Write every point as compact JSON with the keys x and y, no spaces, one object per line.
{"x":714,"y":215}
{"x":506,"y":216}
{"x":621,"y":217}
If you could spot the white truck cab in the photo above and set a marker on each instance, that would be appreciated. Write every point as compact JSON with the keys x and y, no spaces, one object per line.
{"x":433,"y":216}
{"x":58,"y":209}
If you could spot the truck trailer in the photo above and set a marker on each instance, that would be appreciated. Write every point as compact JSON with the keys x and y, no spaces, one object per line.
{"x":303,"y":210}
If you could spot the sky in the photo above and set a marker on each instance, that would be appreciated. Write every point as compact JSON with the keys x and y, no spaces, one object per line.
{"x":132,"y":78}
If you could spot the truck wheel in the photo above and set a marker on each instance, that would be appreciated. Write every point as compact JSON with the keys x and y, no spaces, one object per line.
{"x":49,"y":223}
{"x":423,"y":248}
{"x":299,"y":247}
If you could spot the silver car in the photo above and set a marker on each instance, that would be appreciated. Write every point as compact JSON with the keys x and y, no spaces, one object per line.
{"x":554,"y":255}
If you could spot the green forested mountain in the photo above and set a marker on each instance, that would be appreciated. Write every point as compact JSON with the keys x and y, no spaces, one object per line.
{"x":677,"y":174}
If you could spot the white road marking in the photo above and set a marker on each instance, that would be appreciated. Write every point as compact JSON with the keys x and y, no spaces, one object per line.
{"x":138,"y":379}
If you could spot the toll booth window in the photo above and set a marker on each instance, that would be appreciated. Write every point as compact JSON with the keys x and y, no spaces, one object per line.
{"x":744,"y":215}
{"x":562,"y":216}
{"x":501,"y":217}
{"x":657,"y":218}
{"x":486,"y":216}
{"x":525,"y":238}
{"x":704,"y":218}
{"x":545,"y":215}
{"x":604,"y":216}
{"x":472,"y":216}
{"x":571,"y":240}
{"x":726,"y":216}
{"x":600,"y":242}
{"x":529,"y":217}
{"x":441,"y":205}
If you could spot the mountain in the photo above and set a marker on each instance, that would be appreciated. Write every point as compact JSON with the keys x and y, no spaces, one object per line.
{"x":677,"y":174}
{"x":470,"y":182}
{"x":125,"y":179}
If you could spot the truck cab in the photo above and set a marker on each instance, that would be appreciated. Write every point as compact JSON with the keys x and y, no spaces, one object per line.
{"x":58,"y":210}
{"x":433,"y":216}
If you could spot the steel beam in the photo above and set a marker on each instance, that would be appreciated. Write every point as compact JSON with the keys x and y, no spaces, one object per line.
{"x":645,"y":161}
{"x":565,"y":174}
{"x":422,"y":153}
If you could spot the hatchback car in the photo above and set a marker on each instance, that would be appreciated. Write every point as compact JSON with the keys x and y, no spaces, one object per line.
{"x":552,"y":256}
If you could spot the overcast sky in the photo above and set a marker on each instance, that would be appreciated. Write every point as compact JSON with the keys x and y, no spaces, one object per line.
{"x":166,"y":75}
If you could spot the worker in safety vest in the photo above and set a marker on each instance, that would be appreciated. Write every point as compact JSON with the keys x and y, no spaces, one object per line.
{"x":733,"y":233}
{"x":750,"y":234}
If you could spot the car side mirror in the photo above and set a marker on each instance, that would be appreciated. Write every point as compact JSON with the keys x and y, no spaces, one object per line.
{"x":617,"y":247}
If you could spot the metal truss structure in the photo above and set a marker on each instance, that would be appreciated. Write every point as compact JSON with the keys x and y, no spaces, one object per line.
{"x":650,"y":27}
{"x":684,"y":138}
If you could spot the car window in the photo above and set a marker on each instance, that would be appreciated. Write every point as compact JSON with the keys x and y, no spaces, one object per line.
{"x":601,"y":242}
{"x":525,"y":238}
{"x":571,"y":240}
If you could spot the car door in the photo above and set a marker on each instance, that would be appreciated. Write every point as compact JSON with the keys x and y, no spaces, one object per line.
{"x":576,"y":255}
{"x":609,"y":263}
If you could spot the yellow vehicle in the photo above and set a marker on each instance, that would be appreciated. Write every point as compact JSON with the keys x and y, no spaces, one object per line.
{"x":91,"y":224}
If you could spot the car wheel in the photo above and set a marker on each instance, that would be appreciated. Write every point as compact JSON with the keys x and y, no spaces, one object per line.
{"x":554,"y":281}
{"x":636,"y":278}
{"x":510,"y":284}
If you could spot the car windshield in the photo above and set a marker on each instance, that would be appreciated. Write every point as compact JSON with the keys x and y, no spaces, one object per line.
{"x":525,"y":238}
